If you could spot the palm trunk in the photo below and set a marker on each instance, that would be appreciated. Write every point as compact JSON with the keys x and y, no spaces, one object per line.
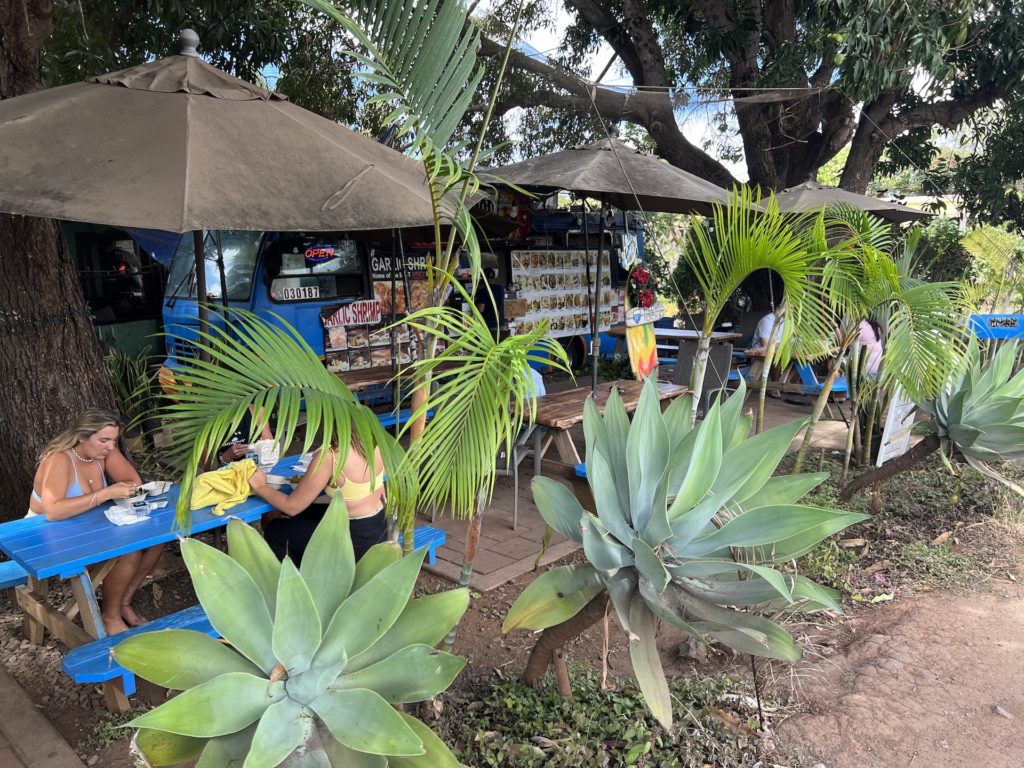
{"x":869,"y":433}
{"x":919,"y":452}
{"x":769,"y":356}
{"x":554,"y":638}
{"x":474,"y":526}
{"x":853,"y":427}
{"x":819,"y":407}
{"x":700,"y":366}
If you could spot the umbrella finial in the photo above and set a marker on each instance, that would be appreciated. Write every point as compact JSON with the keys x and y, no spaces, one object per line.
{"x":189,"y":42}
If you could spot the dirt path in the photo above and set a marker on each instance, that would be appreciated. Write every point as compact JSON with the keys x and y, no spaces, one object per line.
{"x":937,"y":680}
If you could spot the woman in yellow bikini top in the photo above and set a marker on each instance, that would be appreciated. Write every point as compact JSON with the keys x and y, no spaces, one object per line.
{"x":362,"y":489}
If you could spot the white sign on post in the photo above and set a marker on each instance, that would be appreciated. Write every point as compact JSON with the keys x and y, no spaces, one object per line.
{"x":898,"y":421}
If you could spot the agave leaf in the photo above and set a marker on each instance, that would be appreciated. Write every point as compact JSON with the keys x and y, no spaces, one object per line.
{"x":346,"y":757}
{"x":233,"y":602}
{"x":595,"y":436}
{"x":162,"y":748}
{"x":616,"y":424}
{"x":764,"y":526}
{"x":281,"y":730}
{"x":802,"y":543}
{"x":297,"y":630}
{"x":736,"y":591}
{"x":986,"y":470}
{"x":784,"y":489}
{"x":436,"y":753}
{"x":740,"y":431}
{"x":553,"y":597}
{"x":697,"y":521}
{"x":622,"y":587}
{"x":229,"y":750}
{"x":179,"y":658}
{"x":740,"y":639}
{"x":251,"y":551}
{"x":201,"y":712}
{"x":603,"y":551}
{"x":328,"y":564}
{"x":649,"y":564}
{"x":817,"y":596}
{"x":615,"y":518}
{"x":964,"y":435}
{"x":677,"y":420}
{"x":363,"y":721}
{"x":705,"y":464}
{"x":680,"y":455}
{"x":658,"y":605}
{"x":1001,"y":437}
{"x":367,"y":614}
{"x":757,"y":457}
{"x":558,"y":506}
{"x":643,"y":652}
{"x":646,"y":455}
{"x":414,"y":673}
{"x":377,"y":558}
{"x":425,"y":620}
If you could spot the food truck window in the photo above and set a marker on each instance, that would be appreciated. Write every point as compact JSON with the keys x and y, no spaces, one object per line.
{"x":316,"y":267}
{"x":239,"y":248}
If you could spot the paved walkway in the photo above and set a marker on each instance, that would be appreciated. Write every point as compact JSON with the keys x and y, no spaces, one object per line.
{"x":27,"y":739}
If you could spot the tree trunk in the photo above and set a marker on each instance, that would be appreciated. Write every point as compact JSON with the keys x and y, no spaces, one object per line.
{"x":52,"y":364}
{"x":819,"y":407}
{"x":553,"y":638}
{"x":919,"y":452}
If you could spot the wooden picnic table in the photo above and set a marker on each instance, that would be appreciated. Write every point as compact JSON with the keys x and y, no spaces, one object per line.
{"x":361,"y":380}
{"x":65,"y":549}
{"x":671,"y":334}
{"x":558,"y":412}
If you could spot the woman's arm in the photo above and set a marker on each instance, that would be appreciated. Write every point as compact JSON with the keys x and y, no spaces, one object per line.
{"x":53,"y":489}
{"x":305,"y":493}
{"x":120,"y":470}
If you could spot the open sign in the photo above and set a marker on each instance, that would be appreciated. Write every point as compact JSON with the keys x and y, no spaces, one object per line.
{"x":317,"y":254}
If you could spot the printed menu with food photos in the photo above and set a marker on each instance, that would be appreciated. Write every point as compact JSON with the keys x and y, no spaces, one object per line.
{"x":552,"y":286}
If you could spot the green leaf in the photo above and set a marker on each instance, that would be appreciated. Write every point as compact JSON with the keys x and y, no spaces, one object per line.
{"x":328,"y":564}
{"x":603,"y":551}
{"x":553,"y":597}
{"x":757,"y":457}
{"x":377,"y":558}
{"x":705,"y":464}
{"x":622,"y":587}
{"x":251,"y":551}
{"x":649,"y":564}
{"x":604,"y":486}
{"x":643,"y":652}
{"x":660,"y":607}
{"x":363,"y":721}
{"x":425,"y":620}
{"x":280,"y":732}
{"x":229,"y":750}
{"x":232,"y":601}
{"x":802,"y":543}
{"x":784,"y":489}
{"x":415,"y":673}
{"x":340,"y":755}
{"x":436,"y":753}
{"x":558,"y":506}
{"x":646,"y":455}
{"x":764,"y":526}
{"x":297,"y":630}
{"x":817,"y":595}
{"x":162,"y":748}
{"x":201,"y":711}
{"x":368,"y":613}
{"x":179,"y":658}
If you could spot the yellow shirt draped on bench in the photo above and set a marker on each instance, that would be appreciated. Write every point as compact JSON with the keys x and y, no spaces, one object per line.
{"x":224,"y":487}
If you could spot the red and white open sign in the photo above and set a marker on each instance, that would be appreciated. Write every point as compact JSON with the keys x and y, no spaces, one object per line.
{"x":356,"y":313}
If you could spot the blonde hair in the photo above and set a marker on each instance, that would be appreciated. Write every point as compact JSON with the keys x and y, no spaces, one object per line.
{"x":89,"y":422}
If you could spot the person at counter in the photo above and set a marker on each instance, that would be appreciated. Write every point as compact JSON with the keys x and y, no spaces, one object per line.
{"x":80,"y":469}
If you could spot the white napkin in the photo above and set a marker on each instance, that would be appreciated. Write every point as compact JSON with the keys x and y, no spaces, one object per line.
{"x":122,"y":516}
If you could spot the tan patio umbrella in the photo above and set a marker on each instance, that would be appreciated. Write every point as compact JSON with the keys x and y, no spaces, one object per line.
{"x":811,"y":196}
{"x":615,"y":174}
{"x":179,"y":145}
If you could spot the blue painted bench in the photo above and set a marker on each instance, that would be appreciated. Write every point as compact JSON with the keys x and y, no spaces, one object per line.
{"x":12,"y":575}
{"x":401,"y":417}
{"x":430,"y":537}
{"x":95,"y":663}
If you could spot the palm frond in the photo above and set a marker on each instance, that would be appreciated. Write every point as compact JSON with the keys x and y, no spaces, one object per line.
{"x":273,"y":372}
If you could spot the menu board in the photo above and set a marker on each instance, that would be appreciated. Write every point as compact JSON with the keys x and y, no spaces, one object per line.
{"x":552,"y":286}
{"x":356,"y":334}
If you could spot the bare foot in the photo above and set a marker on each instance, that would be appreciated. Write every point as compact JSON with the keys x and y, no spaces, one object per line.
{"x":114,"y":626}
{"x":131,"y":618}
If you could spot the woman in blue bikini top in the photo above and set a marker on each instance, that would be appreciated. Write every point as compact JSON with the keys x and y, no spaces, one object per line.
{"x":72,"y":479}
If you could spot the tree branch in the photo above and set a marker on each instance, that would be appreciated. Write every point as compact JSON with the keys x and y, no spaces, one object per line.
{"x":601,"y":20}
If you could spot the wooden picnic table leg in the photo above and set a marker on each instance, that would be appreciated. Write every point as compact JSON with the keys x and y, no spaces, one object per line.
{"x":32,"y":627}
{"x":85,"y":596}
{"x":114,"y":696}
{"x":566,"y":447}
{"x":46,"y":616}
{"x":73,"y":608}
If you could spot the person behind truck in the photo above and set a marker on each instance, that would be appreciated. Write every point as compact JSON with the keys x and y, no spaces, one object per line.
{"x":79,"y":470}
{"x":361,"y":487}
{"x":492,"y":311}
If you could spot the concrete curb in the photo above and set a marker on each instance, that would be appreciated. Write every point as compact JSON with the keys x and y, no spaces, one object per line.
{"x":31,"y":737}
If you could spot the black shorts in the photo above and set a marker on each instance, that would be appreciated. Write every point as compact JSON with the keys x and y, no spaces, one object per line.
{"x":290,"y":535}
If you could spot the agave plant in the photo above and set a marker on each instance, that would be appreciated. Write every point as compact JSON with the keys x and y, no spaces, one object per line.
{"x":691,"y":527}
{"x":979,"y":417}
{"x":314,"y":659}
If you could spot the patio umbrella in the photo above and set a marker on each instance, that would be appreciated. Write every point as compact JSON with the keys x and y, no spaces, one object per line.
{"x":618,"y":175}
{"x":811,"y":196}
{"x":179,"y":145}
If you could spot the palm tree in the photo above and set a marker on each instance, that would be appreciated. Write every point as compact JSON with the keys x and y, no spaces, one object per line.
{"x":925,"y":321}
{"x":746,"y":235}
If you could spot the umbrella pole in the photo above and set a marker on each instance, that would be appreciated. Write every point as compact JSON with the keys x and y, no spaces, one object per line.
{"x":204,"y":310}
{"x":595,"y":337}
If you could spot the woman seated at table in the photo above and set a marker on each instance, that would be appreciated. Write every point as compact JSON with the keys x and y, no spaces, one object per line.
{"x":361,"y":488}
{"x":72,"y":478}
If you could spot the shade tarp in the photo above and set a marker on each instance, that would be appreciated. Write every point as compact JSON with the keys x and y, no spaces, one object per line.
{"x":178,"y":145}
{"x":811,"y":196}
